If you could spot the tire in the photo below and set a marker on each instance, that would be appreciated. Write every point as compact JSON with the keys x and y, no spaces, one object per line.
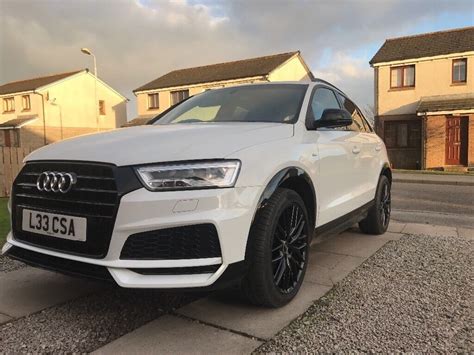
{"x":277,"y":259}
{"x":378,"y":218}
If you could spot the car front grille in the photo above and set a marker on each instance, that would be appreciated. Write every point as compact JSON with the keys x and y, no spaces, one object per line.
{"x":95,"y":196}
{"x":187,"y":242}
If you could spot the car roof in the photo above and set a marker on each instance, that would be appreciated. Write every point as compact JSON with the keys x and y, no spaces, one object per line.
{"x":314,"y":82}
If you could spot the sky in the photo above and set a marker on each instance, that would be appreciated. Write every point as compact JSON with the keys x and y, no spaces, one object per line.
{"x":136,"y":41}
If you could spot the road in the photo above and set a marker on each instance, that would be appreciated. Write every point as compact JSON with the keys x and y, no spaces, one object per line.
{"x":433,"y":204}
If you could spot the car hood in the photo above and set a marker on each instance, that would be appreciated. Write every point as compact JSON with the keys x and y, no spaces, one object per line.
{"x":164,"y":143}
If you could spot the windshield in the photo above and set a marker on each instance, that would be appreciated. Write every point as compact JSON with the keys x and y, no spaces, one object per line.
{"x":254,"y":103}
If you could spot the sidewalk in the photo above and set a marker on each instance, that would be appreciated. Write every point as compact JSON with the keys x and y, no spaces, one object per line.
{"x":426,"y":178}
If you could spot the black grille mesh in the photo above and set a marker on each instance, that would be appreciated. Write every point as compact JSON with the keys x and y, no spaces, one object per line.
{"x":94,"y":196}
{"x":188,"y":242}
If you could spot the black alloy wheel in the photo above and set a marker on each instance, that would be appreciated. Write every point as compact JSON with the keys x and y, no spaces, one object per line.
{"x":277,"y":250}
{"x":385,"y":206}
{"x":378,"y":217}
{"x":289,"y":248}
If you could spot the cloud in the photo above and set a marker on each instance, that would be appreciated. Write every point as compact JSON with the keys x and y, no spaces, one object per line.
{"x":136,"y":41}
{"x":351,"y":74}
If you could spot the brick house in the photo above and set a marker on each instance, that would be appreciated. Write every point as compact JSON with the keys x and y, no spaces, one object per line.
{"x":47,"y":109}
{"x":424,"y":99}
{"x":160,"y":94}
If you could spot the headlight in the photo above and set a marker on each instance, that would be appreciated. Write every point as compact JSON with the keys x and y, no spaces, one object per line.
{"x":162,"y":177}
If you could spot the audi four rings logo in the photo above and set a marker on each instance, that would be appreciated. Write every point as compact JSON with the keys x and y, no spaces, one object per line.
{"x":56,"y":182}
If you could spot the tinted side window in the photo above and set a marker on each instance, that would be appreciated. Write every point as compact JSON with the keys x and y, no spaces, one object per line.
{"x":322,"y":99}
{"x":358,"y":124}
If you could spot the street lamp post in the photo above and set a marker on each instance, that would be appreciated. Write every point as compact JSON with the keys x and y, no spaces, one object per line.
{"x":96,"y":105}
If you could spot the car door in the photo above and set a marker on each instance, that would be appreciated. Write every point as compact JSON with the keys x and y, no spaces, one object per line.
{"x":367,"y":166}
{"x":337,"y":160}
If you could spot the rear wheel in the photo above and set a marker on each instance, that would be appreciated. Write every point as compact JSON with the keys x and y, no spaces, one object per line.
{"x":278,"y":253}
{"x":378,"y":217}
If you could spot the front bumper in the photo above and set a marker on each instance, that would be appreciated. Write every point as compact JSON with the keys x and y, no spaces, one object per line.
{"x":230,"y":210}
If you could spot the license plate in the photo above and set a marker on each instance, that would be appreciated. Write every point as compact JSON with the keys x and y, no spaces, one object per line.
{"x":55,"y":225}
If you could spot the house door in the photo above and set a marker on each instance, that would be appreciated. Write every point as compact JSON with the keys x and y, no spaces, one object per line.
{"x":455,"y":140}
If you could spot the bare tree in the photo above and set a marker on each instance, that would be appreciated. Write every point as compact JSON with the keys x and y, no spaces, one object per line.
{"x":369,"y":113}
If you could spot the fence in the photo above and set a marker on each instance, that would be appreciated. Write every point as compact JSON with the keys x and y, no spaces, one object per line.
{"x":11,"y":161}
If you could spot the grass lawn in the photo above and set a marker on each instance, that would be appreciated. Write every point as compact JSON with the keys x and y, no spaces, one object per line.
{"x":4,"y":220}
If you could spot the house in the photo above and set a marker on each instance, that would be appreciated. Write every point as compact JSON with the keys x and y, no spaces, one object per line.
{"x":51,"y":108}
{"x":424,"y":99}
{"x":160,"y":94}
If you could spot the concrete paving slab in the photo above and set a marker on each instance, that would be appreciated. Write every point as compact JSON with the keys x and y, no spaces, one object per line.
{"x":319,"y":275}
{"x":431,"y":230}
{"x":344,"y":268}
{"x":321,"y":259}
{"x":466,"y":233}
{"x":30,"y":290}
{"x":354,"y":244}
{"x":175,"y":335}
{"x":4,"y":318}
{"x":238,"y":315}
{"x":329,"y":268}
{"x":396,"y":227}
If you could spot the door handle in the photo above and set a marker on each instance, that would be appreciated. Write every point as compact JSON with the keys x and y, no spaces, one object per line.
{"x":356,"y":150}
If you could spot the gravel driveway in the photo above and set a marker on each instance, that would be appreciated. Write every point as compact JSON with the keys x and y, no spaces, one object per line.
{"x":413,"y":295}
{"x":7,"y":264}
{"x":85,"y":324}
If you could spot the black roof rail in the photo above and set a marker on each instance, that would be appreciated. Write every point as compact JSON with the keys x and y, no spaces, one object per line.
{"x":328,"y":83}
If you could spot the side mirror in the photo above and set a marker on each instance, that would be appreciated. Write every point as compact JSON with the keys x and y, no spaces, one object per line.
{"x":334,"y":117}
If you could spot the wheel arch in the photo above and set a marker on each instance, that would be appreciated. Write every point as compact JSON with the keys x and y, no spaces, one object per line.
{"x":296,"y":179}
{"x":387,"y":171}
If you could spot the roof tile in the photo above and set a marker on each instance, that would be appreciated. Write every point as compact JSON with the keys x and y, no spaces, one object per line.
{"x":17,"y":122}
{"x":32,"y":84}
{"x":426,"y":45}
{"x":446,"y":103}
{"x":218,"y":72}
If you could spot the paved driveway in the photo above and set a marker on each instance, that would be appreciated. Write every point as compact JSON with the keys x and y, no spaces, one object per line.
{"x":44,"y":311}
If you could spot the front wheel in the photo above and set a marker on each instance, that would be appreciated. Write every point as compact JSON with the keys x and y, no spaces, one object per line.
{"x":378,"y":218}
{"x":278,"y":253}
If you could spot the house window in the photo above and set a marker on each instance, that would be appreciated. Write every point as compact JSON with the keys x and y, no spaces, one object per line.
{"x":402,"y":134}
{"x":101,"y":107}
{"x":11,"y":138}
{"x":9,"y":104}
{"x":153,"y":101}
{"x":25,"y":99}
{"x":178,"y":96}
{"x":402,"y":77}
{"x":460,"y":70}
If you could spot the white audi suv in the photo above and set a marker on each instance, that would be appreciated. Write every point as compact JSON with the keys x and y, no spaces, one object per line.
{"x":225,"y":188}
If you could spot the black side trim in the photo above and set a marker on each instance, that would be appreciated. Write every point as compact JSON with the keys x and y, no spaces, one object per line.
{"x":231,"y":277}
{"x":64,"y":266}
{"x":344,"y":222}
{"x":191,"y":270}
